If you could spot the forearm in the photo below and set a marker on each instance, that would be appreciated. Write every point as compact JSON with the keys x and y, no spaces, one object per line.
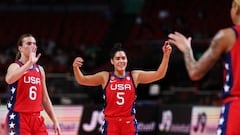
{"x":48,"y":107}
{"x":189,"y":59}
{"x":15,"y":73}
{"x":191,"y":65}
{"x":162,"y":69}
{"x":78,"y":74}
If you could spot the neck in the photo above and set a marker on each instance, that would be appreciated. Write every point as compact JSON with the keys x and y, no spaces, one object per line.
{"x":119,"y":73}
{"x":23,"y":60}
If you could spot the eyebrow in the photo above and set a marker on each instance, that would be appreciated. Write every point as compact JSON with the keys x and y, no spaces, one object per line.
{"x":29,"y":42}
{"x":120,"y":56}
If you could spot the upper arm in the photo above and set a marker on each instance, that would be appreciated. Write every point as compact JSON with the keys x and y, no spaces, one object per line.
{"x":44,"y":86}
{"x":219,"y":45}
{"x":140,"y":76}
{"x":9,"y":78}
{"x":96,"y":79}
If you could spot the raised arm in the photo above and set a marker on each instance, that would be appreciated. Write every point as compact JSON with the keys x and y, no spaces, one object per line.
{"x":220,"y":44}
{"x":14,"y":72}
{"x":99,"y":78}
{"x":144,"y":77}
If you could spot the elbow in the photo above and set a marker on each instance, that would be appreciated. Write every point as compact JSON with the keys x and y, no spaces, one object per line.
{"x":78,"y":80}
{"x":195,"y":76}
{"x":8,"y":80}
{"x":161,"y":76}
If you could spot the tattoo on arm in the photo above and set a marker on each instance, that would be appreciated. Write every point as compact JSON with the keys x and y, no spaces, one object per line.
{"x":189,"y":59}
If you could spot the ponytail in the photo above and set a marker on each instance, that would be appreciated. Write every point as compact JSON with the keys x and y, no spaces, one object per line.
{"x":18,"y":55}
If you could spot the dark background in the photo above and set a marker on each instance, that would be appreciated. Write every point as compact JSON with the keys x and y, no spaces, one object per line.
{"x":89,"y":28}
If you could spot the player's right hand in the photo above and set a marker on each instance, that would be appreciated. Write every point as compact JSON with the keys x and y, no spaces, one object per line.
{"x":78,"y":62}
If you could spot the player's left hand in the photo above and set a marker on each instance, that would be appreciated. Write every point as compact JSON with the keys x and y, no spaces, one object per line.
{"x":57,"y":129}
{"x":167,"y":49}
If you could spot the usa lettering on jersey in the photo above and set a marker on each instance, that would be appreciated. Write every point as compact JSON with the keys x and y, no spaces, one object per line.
{"x":120,"y":87}
{"x":31,"y":79}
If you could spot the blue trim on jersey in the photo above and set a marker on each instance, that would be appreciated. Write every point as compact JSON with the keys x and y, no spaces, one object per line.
{"x":120,"y":78}
{"x":133,"y":111}
{"x":235,"y":31}
{"x":12,"y":88}
{"x":13,"y":123}
{"x":223,"y":119}
{"x":104,"y":93}
{"x":104,"y":128}
{"x":229,"y":82}
{"x":136,"y":127}
{"x":31,"y":68}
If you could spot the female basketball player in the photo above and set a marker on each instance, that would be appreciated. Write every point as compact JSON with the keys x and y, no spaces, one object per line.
{"x":119,"y":88}
{"x":28,"y":92}
{"x":226,"y":45}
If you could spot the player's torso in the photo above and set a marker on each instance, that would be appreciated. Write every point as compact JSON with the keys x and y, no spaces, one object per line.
{"x":232,"y":69}
{"x":26,"y":93}
{"x":120,"y":95}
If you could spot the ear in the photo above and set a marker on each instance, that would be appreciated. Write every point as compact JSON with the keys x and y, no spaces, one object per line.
{"x":19,"y":48}
{"x":111,"y":60}
{"x":238,"y":9}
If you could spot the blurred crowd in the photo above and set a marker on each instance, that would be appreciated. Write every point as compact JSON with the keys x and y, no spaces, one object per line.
{"x":141,"y":31}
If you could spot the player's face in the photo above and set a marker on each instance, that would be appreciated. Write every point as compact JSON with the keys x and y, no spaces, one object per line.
{"x":28,"y":43}
{"x":119,"y":61}
{"x":234,"y":12}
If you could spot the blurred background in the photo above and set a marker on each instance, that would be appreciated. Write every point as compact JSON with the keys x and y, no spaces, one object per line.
{"x":65,"y":29}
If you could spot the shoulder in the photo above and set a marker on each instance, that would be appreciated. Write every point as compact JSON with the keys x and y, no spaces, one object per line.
{"x":41,"y":70}
{"x":135,"y":73}
{"x":40,"y":67}
{"x":13,"y":66}
{"x":103,"y":73}
{"x":224,"y":33}
{"x":224,"y":39}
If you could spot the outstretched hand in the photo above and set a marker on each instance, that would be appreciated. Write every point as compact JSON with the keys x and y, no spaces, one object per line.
{"x":78,"y":62}
{"x":180,"y":41}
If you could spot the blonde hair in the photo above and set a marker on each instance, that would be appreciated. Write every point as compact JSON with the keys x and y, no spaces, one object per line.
{"x":237,"y":2}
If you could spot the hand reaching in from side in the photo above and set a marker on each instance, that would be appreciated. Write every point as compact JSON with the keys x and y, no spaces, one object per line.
{"x":180,"y":41}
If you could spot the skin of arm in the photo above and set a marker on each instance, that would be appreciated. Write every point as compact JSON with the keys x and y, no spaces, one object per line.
{"x":99,"y":78}
{"x":221,"y":43}
{"x":47,"y":104}
{"x":14,"y":72}
{"x":139,"y":76}
{"x":144,"y":77}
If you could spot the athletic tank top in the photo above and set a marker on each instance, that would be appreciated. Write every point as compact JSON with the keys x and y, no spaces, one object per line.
{"x":25,"y":95}
{"x":119,"y":96}
{"x":231,"y":87}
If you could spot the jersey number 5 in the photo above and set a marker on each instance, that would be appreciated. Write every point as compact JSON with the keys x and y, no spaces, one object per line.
{"x":120,"y":97}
